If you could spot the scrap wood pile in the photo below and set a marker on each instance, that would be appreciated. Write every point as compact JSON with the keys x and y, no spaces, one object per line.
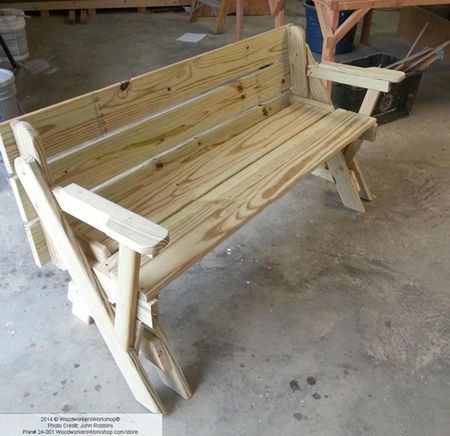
{"x":419,"y":61}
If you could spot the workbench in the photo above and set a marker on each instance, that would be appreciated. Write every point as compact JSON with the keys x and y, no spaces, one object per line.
{"x":328,"y":14}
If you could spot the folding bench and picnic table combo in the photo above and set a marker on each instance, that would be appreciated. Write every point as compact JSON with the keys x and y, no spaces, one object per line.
{"x":128,"y":186}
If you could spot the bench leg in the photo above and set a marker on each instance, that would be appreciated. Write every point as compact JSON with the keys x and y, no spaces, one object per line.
{"x":195,"y":10}
{"x":364,"y":190}
{"x":93,"y":295}
{"x":79,"y":307}
{"x":346,"y":183}
{"x":222,"y":16}
{"x":154,"y":345}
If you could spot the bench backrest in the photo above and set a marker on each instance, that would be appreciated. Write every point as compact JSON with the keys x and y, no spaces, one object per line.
{"x":93,"y":138}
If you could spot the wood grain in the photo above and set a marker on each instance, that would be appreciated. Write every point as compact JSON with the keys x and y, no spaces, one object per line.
{"x":95,"y":243}
{"x":204,"y":223}
{"x":107,"y":156}
{"x":83,"y":118}
{"x":161,"y":191}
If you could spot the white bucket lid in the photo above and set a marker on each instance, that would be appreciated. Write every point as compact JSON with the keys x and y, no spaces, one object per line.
{"x":6,"y":77}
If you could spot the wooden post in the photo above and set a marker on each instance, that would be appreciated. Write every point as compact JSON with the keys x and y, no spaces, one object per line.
{"x":345,"y":183}
{"x":367,"y":23}
{"x":72,"y":17}
{"x":239,"y":19}
{"x":127,"y":290}
{"x":223,"y":13}
{"x":85,"y":281}
{"x":83,"y":16}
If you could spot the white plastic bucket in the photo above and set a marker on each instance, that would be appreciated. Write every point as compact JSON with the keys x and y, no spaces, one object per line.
{"x":12,"y":28}
{"x":8,"y":100}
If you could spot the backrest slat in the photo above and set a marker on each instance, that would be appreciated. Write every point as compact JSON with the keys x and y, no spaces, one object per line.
{"x":80,"y":119}
{"x":94,"y":137}
{"x":109,"y":156}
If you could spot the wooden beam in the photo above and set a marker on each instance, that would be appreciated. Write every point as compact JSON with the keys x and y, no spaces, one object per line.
{"x":80,"y":271}
{"x":127,"y":228}
{"x":370,"y":78}
{"x":298,"y":61}
{"x":277,"y":7}
{"x":343,"y":5}
{"x":345,"y":183}
{"x":127,"y":291}
{"x":239,"y":20}
{"x":223,"y":13}
{"x":89,"y":4}
{"x":76,"y":121}
{"x":348,"y":24}
{"x":367,"y":24}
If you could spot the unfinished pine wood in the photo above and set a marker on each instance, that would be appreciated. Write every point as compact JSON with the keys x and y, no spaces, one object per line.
{"x":127,"y":290}
{"x":72,"y":122}
{"x":203,"y":224}
{"x":152,"y":349}
{"x":30,"y":144}
{"x":200,"y":165}
{"x":345,"y":183}
{"x":379,"y":79}
{"x":79,"y":307}
{"x":162,"y":189}
{"x":172,"y":376}
{"x":222,"y":132}
{"x":298,"y":61}
{"x":108,"y":156}
{"x":348,"y":24}
{"x":72,"y":16}
{"x":127,"y":228}
{"x":222,"y":16}
{"x":317,"y":89}
{"x":38,"y":244}
{"x":84,"y":279}
{"x":367,"y":107}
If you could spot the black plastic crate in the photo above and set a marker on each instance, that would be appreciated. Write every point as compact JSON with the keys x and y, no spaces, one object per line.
{"x":390,"y":105}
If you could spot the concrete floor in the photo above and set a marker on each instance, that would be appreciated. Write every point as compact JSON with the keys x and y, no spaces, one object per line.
{"x":307,"y":289}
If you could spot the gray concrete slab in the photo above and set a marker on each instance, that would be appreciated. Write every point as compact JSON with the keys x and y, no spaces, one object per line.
{"x":360,"y":303}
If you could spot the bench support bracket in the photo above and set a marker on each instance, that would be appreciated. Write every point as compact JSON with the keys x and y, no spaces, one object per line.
{"x":346,"y":182}
{"x":85,"y":281}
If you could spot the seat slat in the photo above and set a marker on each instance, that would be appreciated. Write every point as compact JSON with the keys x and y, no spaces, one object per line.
{"x":80,"y":119}
{"x":203,"y":224}
{"x":178,"y":179}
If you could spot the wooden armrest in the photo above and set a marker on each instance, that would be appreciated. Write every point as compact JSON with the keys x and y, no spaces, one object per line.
{"x":379,"y":79}
{"x":128,"y":228}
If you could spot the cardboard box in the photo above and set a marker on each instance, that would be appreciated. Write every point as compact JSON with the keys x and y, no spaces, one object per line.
{"x":412,"y":20}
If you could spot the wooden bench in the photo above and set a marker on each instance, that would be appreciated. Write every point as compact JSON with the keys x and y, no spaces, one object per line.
{"x":192,"y":150}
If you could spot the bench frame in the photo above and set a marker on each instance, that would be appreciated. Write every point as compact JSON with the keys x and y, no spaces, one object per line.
{"x":132,"y":324}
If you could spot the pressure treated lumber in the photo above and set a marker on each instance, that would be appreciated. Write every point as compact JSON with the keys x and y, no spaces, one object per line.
{"x":379,"y":79}
{"x":193,"y":170}
{"x":73,"y":122}
{"x":127,"y":291}
{"x":298,"y":61}
{"x":203,"y":224}
{"x":127,"y":228}
{"x":125,"y":148}
{"x":196,"y":162}
{"x":83,"y":277}
{"x":229,"y":128}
